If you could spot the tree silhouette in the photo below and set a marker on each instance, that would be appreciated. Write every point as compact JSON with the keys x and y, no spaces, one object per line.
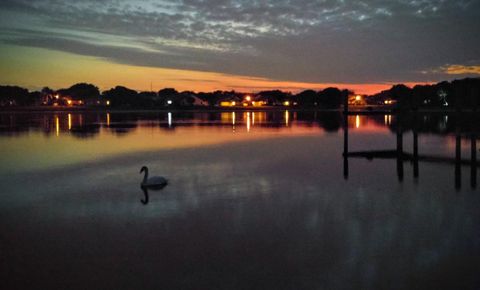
{"x":81,"y":91}
{"x":121,"y":97}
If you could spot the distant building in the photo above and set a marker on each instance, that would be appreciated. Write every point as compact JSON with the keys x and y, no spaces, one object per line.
{"x":185,"y":99}
{"x":253,"y":101}
{"x":199,"y":102}
{"x":356,"y":100}
{"x":230,"y":101}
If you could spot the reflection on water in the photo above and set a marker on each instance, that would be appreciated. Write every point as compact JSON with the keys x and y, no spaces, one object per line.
{"x":388,"y":120}
{"x":99,"y":133}
{"x":64,"y":123}
{"x":57,"y":126}
{"x":145,"y":191}
{"x":168,"y":130}
{"x":401,"y":156}
{"x":264,"y":206}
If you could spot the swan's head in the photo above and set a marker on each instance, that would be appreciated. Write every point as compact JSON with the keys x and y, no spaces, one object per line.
{"x":144,"y":168}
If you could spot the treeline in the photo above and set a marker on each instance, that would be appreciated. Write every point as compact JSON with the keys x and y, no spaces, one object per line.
{"x":17,"y":96}
{"x":84,"y":94}
{"x":461,"y":93}
{"x":464,"y":93}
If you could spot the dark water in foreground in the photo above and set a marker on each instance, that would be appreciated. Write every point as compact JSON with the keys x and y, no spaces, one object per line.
{"x":256,"y":200}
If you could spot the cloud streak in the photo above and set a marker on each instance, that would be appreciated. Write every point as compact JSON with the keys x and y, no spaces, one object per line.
{"x":462,"y":69}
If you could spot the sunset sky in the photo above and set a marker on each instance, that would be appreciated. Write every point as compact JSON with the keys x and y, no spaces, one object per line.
{"x":248,"y":45}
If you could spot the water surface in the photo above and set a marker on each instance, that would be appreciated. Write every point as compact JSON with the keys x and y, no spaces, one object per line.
{"x":256,"y":200}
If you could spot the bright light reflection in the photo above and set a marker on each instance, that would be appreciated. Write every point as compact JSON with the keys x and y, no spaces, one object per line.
{"x":388,"y":120}
{"x":57,"y":126}
{"x":261,"y":117}
{"x":357,"y":121}
{"x":108,"y":119}
{"x":169,"y":119}
{"x":69,"y":121}
{"x":248,"y":121}
{"x":253,"y":118}
{"x":287,"y":118}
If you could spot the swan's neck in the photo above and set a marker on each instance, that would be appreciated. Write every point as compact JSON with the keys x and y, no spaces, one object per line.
{"x":145,"y":177}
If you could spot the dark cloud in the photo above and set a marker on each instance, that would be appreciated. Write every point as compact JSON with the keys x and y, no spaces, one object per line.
{"x":301,"y":40}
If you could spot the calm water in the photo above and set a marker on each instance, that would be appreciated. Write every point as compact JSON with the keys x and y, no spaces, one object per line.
{"x":256,"y":200}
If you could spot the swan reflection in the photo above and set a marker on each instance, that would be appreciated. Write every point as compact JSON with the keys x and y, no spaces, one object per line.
{"x":145,"y":190}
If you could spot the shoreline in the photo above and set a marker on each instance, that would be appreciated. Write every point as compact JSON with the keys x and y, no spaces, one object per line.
{"x":363,"y":110}
{"x":172,"y":109}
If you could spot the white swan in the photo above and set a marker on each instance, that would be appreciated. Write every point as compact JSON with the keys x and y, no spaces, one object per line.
{"x":154,"y":181}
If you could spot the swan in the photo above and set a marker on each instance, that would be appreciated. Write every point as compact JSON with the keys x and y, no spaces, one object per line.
{"x":154,"y":181}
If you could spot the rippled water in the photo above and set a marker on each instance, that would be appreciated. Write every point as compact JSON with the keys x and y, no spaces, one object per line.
{"x":256,"y":200}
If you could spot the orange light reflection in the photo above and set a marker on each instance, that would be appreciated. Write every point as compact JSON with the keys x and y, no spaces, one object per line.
{"x":57,"y":126}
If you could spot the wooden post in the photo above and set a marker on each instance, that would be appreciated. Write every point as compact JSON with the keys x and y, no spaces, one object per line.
{"x":473,"y":168}
{"x":345,"y":137}
{"x":458,"y":141}
{"x":415,"y":147}
{"x":399,"y":149}
{"x":458,"y":164}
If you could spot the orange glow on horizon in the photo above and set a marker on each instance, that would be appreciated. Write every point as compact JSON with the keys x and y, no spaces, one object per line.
{"x":66,"y":69}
